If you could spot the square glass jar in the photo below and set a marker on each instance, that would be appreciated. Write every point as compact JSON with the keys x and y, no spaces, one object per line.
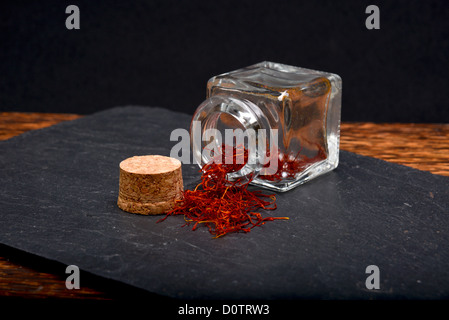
{"x":302,"y":106}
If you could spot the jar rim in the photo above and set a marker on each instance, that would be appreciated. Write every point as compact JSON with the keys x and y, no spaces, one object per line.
{"x":246,"y":115}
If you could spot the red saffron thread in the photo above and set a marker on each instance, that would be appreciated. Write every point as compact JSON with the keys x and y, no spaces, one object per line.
{"x":289,"y":165}
{"x":221,"y":205}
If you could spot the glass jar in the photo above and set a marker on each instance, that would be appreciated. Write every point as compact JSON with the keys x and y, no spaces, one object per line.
{"x":297,"y":108}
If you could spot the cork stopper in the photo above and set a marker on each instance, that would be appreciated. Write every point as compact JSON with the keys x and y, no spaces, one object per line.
{"x":150,"y":184}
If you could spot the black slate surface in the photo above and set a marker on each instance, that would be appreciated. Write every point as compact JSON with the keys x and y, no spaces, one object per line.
{"x":58,"y":192}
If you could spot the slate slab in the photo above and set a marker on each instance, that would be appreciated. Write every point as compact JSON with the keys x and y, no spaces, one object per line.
{"x":58,"y":192}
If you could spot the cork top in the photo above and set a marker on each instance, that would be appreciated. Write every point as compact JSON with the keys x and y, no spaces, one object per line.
{"x":152,"y":164}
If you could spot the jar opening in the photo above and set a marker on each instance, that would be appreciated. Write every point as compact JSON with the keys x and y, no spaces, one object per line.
{"x":227,"y":130}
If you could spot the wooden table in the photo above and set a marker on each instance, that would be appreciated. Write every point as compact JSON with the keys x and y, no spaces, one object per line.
{"x":421,"y":146}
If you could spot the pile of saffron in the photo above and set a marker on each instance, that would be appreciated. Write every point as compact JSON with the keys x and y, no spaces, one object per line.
{"x":221,"y":205}
{"x":290,"y":165}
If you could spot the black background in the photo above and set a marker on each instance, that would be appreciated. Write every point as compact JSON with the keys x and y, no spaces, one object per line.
{"x":161,"y":53}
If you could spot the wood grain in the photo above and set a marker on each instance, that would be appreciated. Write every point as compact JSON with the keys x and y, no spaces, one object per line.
{"x":20,"y":280}
{"x":421,"y":146}
{"x":15,"y":123}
